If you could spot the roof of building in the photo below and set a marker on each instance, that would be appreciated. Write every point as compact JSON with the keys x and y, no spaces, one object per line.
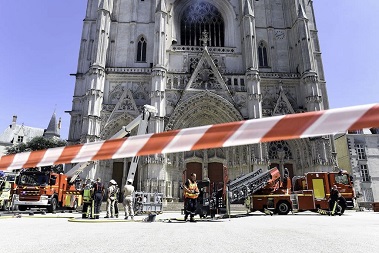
{"x":53,"y":128}
{"x":10,"y":133}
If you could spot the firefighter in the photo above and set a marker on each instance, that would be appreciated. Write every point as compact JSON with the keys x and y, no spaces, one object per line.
{"x":191,"y":192}
{"x":128,"y":200}
{"x":287,"y":181}
{"x":116,"y":200}
{"x":111,"y":199}
{"x":342,"y":203}
{"x":333,"y":200}
{"x":98,"y":197}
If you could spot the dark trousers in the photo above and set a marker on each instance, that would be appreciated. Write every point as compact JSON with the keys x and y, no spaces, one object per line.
{"x":98,"y":199}
{"x":331,"y":204}
{"x":190,"y":206}
{"x":342,"y":203}
{"x":116,"y":207}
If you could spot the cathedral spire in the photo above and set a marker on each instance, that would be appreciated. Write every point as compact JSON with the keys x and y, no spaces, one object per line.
{"x":52,"y":129}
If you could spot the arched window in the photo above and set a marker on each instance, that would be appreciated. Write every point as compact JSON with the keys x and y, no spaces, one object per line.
{"x":141,"y":50}
{"x":262,"y":55}
{"x":200,"y":17}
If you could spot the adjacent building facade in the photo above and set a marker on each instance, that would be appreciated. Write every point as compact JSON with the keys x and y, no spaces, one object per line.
{"x":358,"y":152}
{"x":19,"y":133}
{"x":199,"y":62}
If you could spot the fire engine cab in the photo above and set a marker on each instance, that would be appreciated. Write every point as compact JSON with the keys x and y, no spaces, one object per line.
{"x":41,"y":188}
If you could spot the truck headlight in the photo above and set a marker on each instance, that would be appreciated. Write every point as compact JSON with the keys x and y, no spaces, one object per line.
{"x":44,"y":197}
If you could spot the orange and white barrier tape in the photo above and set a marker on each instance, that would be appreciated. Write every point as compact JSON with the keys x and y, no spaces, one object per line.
{"x":276,"y":128}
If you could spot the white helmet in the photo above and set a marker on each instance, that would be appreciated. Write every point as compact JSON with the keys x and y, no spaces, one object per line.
{"x":112,"y":182}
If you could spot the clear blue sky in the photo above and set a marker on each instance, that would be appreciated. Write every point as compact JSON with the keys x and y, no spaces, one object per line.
{"x":39,"y":47}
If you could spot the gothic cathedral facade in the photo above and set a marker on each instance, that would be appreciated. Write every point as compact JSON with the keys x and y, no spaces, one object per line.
{"x":199,"y":62}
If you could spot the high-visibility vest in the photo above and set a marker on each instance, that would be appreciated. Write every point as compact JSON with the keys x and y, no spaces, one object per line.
{"x":192,"y":187}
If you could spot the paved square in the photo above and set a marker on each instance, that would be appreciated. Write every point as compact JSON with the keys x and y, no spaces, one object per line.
{"x":302,"y":232}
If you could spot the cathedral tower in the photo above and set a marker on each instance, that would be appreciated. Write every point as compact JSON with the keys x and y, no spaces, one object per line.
{"x":199,"y":62}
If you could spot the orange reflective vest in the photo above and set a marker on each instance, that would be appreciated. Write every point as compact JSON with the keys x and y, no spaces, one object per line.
{"x":191,"y":187}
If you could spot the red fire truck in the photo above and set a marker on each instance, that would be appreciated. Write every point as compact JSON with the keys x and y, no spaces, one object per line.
{"x":45,"y":189}
{"x":310,"y":192}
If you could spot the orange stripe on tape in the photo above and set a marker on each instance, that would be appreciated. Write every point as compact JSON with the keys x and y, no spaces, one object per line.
{"x":68,"y":154}
{"x":34,"y":158}
{"x":291,"y":126}
{"x":217,"y":135}
{"x":157,"y":142}
{"x":108,"y":149}
{"x":370,"y":118}
{"x":6,"y":161}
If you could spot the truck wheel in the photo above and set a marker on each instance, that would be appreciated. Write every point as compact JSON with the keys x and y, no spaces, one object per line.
{"x":283,"y":208}
{"x":53,"y":205}
{"x":22,"y":208}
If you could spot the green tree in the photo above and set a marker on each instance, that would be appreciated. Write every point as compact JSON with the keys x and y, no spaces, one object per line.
{"x":37,"y":143}
{"x":16,"y":148}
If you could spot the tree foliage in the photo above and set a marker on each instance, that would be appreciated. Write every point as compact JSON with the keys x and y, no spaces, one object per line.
{"x":16,"y":148}
{"x":37,"y":143}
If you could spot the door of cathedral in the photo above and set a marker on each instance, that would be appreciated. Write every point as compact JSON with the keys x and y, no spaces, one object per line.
{"x":118,"y":168}
{"x":118,"y":173}
{"x":196,"y":168}
{"x":215,"y":172}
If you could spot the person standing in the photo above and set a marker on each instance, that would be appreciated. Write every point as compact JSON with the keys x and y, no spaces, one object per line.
{"x":128,"y":200}
{"x":342,"y":203}
{"x":111,"y":199}
{"x":98,"y":197}
{"x":333,"y":200}
{"x":191,"y":192}
{"x":116,"y":200}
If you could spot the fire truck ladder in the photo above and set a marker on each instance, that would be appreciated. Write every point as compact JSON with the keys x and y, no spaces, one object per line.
{"x":242,"y":187}
{"x":142,"y":122}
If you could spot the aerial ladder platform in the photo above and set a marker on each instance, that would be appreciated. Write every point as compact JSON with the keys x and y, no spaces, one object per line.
{"x":244,"y":186}
{"x":142,"y":122}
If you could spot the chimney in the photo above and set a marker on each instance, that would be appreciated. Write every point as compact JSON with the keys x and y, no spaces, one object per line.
{"x":14,"y":120}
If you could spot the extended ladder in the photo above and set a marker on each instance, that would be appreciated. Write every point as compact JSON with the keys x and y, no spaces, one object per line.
{"x":142,"y":122}
{"x":242,"y":187}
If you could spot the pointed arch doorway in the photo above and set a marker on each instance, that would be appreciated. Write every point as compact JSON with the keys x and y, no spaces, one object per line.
{"x":194,"y":167}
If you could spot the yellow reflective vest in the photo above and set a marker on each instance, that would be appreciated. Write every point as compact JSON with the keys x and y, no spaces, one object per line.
{"x":192,"y":187}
